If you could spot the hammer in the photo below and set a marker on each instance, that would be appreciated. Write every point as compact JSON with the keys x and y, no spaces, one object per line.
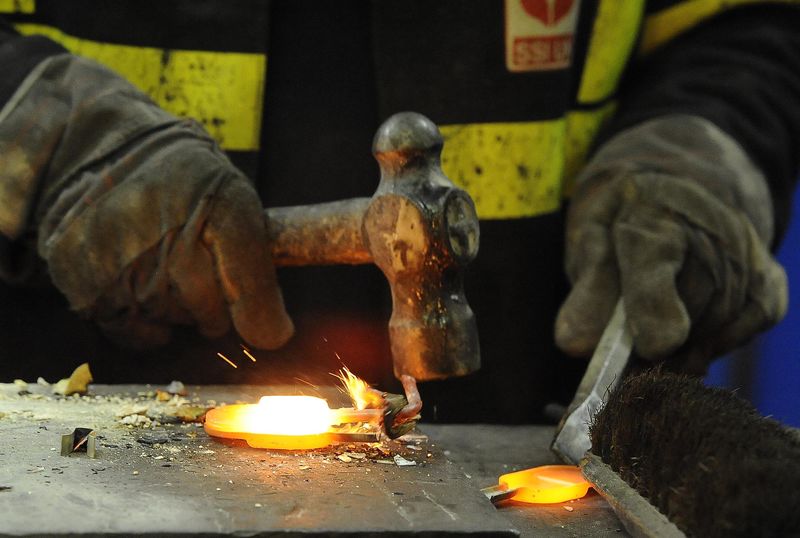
{"x":419,"y":229}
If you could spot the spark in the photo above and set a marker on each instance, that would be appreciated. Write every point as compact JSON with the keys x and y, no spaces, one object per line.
{"x":362,"y":395}
{"x":226,"y":359}
{"x":340,"y":360}
{"x":309,"y":383}
{"x":247,"y":352}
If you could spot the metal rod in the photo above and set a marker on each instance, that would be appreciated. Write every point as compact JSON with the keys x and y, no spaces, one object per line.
{"x":345,"y":437}
{"x":319,"y":234}
{"x":346,"y":415}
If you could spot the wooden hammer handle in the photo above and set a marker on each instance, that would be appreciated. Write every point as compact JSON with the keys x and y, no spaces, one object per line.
{"x":318,"y":234}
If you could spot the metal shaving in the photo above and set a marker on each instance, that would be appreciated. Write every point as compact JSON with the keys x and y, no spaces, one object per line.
{"x":400,"y":461}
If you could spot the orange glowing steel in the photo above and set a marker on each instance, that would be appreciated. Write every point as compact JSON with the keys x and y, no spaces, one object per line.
{"x":546,"y":484}
{"x":285,"y":422}
{"x":289,"y":415}
{"x":296,"y":422}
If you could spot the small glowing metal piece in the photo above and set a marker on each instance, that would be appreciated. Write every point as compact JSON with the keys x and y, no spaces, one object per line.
{"x":547,"y":484}
{"x":540,"y":485}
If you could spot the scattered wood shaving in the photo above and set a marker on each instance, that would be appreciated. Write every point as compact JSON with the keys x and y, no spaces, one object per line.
{"x":133,"y":409}
{"x":177,"y":387}
{"x":77,"y":383}
{"x":189,"y":413}
{"x":568,"y":508}
{"x":136,"y":420}
{"x":345,"y":458}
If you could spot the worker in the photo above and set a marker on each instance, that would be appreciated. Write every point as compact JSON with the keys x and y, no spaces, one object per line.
{"x":646,"y":150}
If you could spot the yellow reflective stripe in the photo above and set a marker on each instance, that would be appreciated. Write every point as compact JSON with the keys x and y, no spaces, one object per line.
{"x":664,"y":25}
{"x":18,"y":6}
{"x":222,"y":90}
{"x":511,"y":170}
{"x":582,"y":128}
{"x":613,"y":36}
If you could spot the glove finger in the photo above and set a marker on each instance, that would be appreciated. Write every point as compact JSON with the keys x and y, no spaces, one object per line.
{"x":192,"y":273}
{"x":590,"y":303}
{"x":764,"y":304}
{"x":590,"y":265}
{"x":651,"y":249}
{"x":237,"y":239}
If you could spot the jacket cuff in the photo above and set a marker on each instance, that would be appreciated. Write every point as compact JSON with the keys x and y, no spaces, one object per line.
{"x":18,"y":56}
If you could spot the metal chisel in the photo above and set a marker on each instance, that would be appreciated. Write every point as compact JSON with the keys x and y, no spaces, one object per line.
{"x":603,"y":373}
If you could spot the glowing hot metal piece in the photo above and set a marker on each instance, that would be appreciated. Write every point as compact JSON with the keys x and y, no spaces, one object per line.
{"x":283,"y":422}
{"x":540,"y":485}
{"x":289,"y":415}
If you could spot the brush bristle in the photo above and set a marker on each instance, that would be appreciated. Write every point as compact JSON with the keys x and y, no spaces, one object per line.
{"x":704,"y":457}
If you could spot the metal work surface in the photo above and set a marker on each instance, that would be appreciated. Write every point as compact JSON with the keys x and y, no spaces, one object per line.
{"x":155,"y":478}
{"x":484,"y":452}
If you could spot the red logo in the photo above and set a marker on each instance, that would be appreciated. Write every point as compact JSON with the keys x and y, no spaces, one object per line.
{"x":547,"y":11}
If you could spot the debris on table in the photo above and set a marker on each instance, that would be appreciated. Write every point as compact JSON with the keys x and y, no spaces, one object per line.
{"x":400,"y":461}
{"x":188,"y":413}
{"x":136,"y":420}
{"x":80,"y":440}
{"x":177,"y":387}
{"x":167,"y":433}
{"x":133,"y":409}
{"x":77,"y":383}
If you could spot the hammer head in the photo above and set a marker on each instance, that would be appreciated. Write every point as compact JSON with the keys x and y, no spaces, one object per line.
{"x":422,"y":231}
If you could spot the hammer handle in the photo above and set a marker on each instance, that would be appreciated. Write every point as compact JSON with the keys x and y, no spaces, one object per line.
{"x":318,"y":234}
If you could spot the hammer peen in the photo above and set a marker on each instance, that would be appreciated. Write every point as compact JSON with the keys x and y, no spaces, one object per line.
{"x":419,"y":228}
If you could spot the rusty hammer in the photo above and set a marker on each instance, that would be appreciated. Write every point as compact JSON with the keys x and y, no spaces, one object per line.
{"x":419,"y":228}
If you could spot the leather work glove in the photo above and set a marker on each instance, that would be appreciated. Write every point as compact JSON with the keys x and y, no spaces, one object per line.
{"x":142,"y":221}
{"x":672,"y":216}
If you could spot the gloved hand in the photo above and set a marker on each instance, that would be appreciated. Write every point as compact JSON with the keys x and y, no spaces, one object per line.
{"x":142,"y":221}
{"x":672,"y":216}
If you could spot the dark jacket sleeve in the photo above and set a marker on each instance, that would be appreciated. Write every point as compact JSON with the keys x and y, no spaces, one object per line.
{"x":18,"y":55}
{"x":740,"y":70}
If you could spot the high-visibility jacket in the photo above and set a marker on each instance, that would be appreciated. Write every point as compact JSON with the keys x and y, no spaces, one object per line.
{"x":521,"y":90}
